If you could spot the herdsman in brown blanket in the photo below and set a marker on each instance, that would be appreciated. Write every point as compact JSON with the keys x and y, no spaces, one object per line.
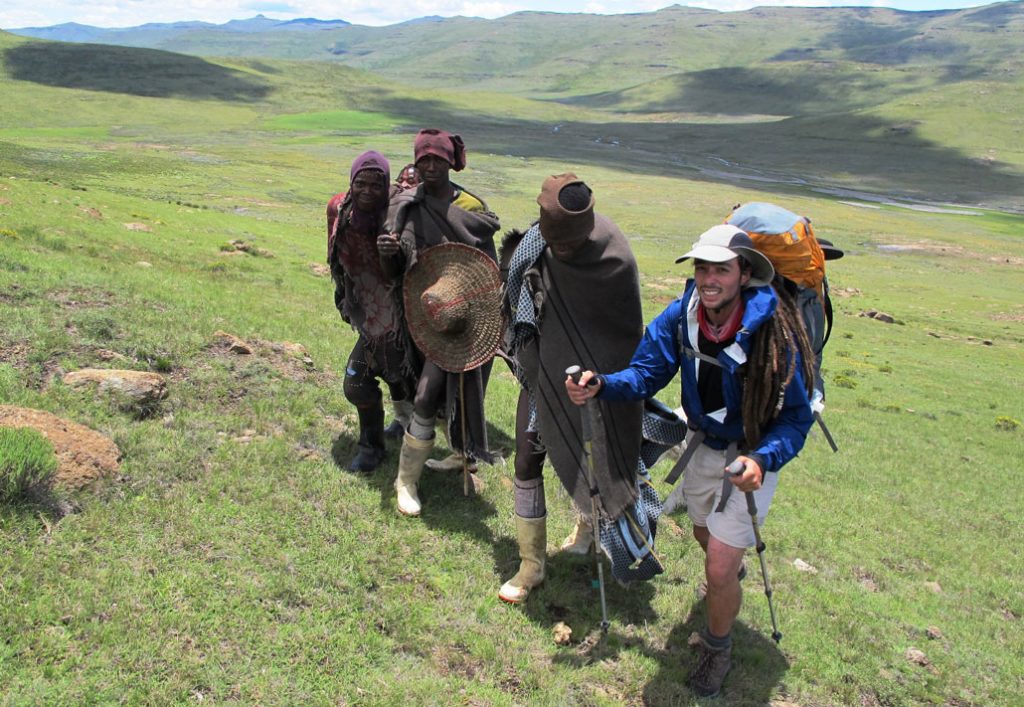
{"x":573,"y":297}
{"x":437,"y":211}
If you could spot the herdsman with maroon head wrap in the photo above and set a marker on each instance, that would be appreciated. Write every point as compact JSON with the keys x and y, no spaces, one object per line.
{"x":369,"y":302}
{"x":572,"y":298}
{"x":437,"y":211}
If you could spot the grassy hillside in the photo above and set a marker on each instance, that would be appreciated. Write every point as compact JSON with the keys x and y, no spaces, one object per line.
{"x":919,"y":105}
{"x":785,"y":127}
{"x":233,"y":560}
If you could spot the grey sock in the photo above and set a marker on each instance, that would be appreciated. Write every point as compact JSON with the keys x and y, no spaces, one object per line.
{"x":530,"y":498}
{"x":716,"y":643}
{"x":421,"y":428}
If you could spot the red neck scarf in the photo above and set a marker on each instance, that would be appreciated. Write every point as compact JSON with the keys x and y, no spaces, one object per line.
{"x":724,"y":332}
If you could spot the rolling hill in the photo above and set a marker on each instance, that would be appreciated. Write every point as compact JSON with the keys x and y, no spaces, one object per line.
{"x":847,"y":98}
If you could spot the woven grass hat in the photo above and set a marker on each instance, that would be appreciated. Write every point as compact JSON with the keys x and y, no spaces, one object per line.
{"x":453,"y":306}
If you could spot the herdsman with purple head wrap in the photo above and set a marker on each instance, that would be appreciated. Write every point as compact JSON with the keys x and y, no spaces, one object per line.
{"x":369,"y":302}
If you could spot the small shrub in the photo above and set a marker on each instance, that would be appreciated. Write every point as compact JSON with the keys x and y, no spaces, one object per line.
{"x":892,"y":407}
{"x":8,"y":233}
{"x":1007,"y":424}
{"x":885,"y":368}
{"x":27,"y":462}
{"x":843,"y":381}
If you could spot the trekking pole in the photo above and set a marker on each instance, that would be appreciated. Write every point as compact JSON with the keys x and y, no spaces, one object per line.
{"x":735,"y":469}
{"x":586,"y":413}
{"x":824,"y":430}
{"x":465,"y":445}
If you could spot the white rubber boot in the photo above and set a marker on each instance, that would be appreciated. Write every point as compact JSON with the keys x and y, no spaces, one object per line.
{"x":410,"y":468}
{"x":532,"y":534}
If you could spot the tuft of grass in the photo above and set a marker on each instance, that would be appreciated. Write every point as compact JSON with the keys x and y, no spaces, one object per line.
{"x":27,"y":462}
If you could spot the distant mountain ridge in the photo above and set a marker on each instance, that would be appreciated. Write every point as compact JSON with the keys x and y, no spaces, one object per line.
{"x":74,"y":32}
{"x":611,"y":58}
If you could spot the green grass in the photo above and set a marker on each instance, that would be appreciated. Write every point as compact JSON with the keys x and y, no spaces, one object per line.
{"x":233,"y":560}
{"x":27,"y":463}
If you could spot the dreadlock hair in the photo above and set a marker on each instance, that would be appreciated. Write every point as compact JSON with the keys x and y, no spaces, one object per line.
{"x":773,"y":362}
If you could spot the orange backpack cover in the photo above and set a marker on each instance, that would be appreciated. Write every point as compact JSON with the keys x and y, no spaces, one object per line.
{"x":787,"y":240}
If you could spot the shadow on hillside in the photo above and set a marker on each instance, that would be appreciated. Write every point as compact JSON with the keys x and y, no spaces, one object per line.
{"x":139,"y":72}
{"x":739,"y":91}
{"x":868,"y":152}
{"x":445,"y":507}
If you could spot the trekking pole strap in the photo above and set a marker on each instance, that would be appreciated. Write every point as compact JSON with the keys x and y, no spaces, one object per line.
{"x":688,"y":451}
{"x":734,"y":468}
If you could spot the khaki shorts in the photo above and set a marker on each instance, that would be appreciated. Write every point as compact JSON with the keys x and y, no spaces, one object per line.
{"x":702,"y":489}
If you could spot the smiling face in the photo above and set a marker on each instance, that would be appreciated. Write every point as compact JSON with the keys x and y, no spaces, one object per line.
{"x":719,"y":285}
{"x":369,"y":190}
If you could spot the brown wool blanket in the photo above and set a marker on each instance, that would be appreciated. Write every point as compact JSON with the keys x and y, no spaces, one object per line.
{"x":590,"y":315}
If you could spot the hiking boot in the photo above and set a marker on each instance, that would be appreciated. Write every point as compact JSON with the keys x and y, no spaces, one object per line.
{"x":702,"y":588}
{"x":709,"y":673}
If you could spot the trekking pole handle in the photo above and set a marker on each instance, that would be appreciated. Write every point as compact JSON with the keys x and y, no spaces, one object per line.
{"x":735,"y":469}
{"x":575,"y":372}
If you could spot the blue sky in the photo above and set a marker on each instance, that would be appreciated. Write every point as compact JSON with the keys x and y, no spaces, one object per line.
{"x":128,"y":13}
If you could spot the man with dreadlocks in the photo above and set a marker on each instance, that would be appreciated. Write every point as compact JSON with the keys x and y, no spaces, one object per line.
{"x":746,"y":369}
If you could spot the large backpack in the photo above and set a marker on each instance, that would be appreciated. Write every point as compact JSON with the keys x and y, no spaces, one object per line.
{"x":788,"y":241}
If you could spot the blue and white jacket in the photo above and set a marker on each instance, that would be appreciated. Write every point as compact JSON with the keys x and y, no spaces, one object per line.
{"x":660,"y":354}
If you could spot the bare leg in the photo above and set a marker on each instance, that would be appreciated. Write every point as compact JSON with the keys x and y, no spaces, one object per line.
{"x":724,"y":594}
{"x":701,"y":533}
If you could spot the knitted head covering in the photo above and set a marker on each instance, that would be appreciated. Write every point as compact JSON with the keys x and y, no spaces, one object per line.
{"x":566,"y":209}
{"x":431,"y":141}
{"x":371,"y":159}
